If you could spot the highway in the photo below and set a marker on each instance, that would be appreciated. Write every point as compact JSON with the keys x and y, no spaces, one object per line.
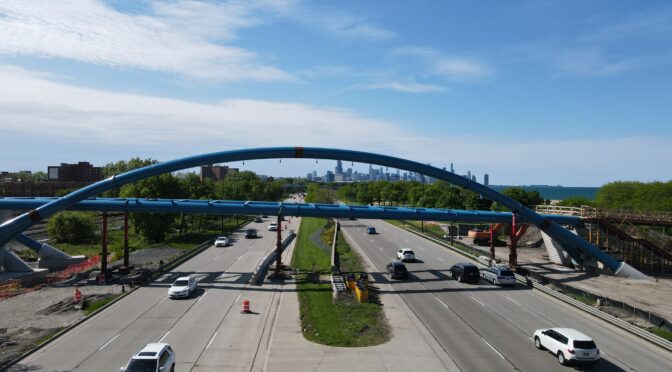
{"x":206,"y":330}
{"x":487,"y":328}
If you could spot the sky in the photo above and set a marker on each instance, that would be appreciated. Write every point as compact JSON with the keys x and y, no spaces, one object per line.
{"x":573,"y":93}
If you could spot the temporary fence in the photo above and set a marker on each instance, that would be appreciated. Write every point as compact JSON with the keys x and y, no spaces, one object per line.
{"x":62,"y":275}
{"x":14,"y":287}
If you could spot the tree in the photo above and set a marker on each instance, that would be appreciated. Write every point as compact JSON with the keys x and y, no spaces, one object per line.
{"x":123,"y":166}
{"x":73,"y":227}
{"x":575,"y":201}
{"x":153,"y":226}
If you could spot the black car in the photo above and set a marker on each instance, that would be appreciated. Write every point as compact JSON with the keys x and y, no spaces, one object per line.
{"x":397,"y":270}
{"x":465,"y":272}
{"x":251,"y":234}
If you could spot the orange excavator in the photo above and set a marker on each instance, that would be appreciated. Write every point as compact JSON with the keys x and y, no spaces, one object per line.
{"x":482,"y":236}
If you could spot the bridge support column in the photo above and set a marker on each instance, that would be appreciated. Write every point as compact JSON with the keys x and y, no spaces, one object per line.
{"x":103,"y":255}
{"x":126,"y":263}
{"x":513,"y":254}
{"x":278,"y":250}
{"x":492,"y":244}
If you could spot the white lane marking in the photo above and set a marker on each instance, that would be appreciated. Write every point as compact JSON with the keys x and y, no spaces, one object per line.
{"x":442,"y":303}
{"x":478,"y":301}
{"x":441,"y":259}
{"x":495,"y":350}
{"x":164,"y":336}
{"x":422,"y":249}
{"x":531,"y":339}
{"x":238,"y":298}
{"x":200,"y":298}
{"x":512,"y":300}
{"x":108,"y":342}
{"x":211,"y":340}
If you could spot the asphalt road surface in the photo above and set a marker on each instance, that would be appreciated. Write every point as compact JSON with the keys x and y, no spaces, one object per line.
{"x":487,"y":328}
{"x":206,"y":330}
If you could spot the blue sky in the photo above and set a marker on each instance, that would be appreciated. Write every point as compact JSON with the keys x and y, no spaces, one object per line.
{"x":575,"y":93}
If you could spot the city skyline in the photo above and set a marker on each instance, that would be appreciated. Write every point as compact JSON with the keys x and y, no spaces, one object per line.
{"x":569,"y":93}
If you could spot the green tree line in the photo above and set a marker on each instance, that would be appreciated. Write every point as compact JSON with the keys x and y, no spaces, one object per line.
{"x":154,"y":227}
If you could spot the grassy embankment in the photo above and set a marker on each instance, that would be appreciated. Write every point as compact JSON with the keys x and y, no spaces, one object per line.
{"x":342,"y":322}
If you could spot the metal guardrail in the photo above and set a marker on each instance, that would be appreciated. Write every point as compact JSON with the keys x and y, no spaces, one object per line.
{"x":646,"y":335}
{"x":260,"y":271}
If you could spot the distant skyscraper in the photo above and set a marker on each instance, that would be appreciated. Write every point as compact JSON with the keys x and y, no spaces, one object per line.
{"x":486,"y":179}
{"x":452,"y":170}
{"x":469,"y":174}
{"x":339,"y":167}
{"x":473,"y":178}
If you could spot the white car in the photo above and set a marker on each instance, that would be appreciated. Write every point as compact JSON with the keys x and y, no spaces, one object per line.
{"x":222,"y":241}
{"x":182,"y":287}
{"x":499,"y":275}
{"x":153,"y":357}
{"x":405,"y":254}
{"x":567,"y":344}
{"x":273,"y":226}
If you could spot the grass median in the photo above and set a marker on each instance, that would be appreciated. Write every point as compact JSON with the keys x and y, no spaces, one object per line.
{"x":341,"y":322}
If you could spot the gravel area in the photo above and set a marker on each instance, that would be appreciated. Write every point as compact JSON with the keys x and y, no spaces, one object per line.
{"x":26,"y":319}
{"x":29,"y":317}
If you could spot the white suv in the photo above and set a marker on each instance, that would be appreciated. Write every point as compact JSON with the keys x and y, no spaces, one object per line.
{"x":567,"y":344}
{"x":153,"y":357}
{"x":182,"y":287}
{"x":273,"y":226}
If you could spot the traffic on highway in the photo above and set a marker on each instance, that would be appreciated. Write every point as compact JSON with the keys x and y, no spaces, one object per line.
{"x":489,"y":324}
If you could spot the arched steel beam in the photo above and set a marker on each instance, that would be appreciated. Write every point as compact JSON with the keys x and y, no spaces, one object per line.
{"x":13,"y":227}
{"x":231,"y":207}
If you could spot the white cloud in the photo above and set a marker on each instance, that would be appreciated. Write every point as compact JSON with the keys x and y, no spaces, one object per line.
{"x":38,"y":114}
{"x":178,"y":40}
{"x":591,"y":62}
{"x":455,"y":68}
{"x":403,"y":87}
{"x":335,"y":22}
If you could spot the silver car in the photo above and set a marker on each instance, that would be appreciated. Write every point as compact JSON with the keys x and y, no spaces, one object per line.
{"x":222,"y":241}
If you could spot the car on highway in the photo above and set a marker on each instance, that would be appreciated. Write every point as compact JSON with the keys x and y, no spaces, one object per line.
{"x":499,"y":275}
{"x":465,"y":272}
{"x":182,"y":287}
{"x":405,"y":255}
{"x":154,"y":357}
{"x":273,"y":226}
{"x":222,"y":241}
{"x":397,"y":270}
{"x":567,"y":344}
{"x":371,"y":230}
{"x":250,"y":234}
{"x":258,"y":219}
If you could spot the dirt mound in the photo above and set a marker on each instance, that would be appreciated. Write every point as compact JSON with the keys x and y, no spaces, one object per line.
{"x":68,"y":305}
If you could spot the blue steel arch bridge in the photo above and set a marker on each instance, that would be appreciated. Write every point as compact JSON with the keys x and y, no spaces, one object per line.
{"x":39,"y":209}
